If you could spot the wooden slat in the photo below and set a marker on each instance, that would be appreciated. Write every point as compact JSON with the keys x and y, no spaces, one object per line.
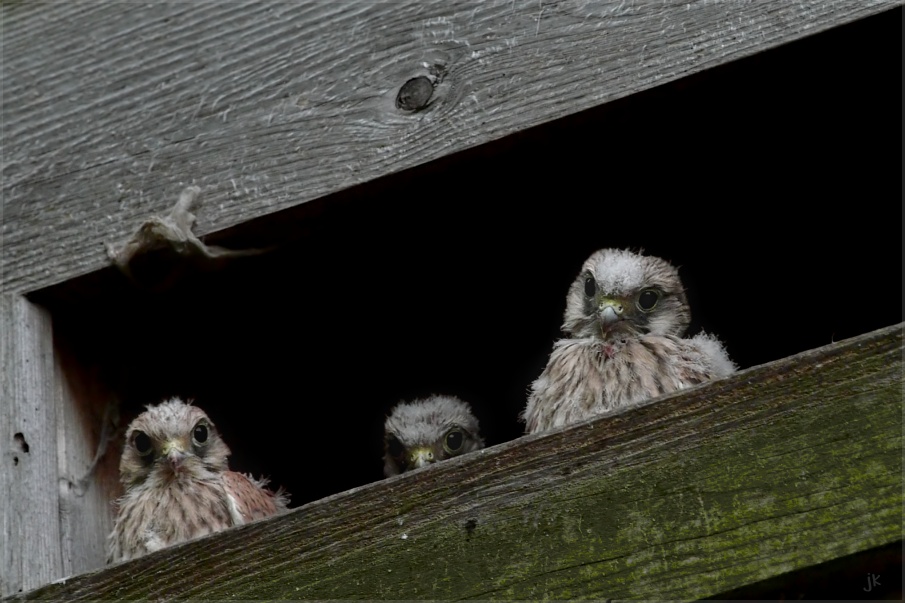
{"x":88,"y":441}
{"x":56,"y":420}
{"x":108,"y":114}
{"x":779,"y":467}
{"x":30,"y":553}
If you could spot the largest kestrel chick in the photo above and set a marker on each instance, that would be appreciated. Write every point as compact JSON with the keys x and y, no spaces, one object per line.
{"x":624,"y":320}
{"x":178,"y":484}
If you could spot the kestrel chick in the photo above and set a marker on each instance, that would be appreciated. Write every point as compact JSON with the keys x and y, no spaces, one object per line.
{"x":624,"y":320}
{"x":426,"y":431}
{"x":178,"y":484}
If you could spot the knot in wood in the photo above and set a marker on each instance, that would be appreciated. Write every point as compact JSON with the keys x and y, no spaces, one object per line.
{"x":414,"y":94}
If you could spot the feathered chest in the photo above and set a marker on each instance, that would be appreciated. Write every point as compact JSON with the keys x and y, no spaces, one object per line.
{"x":160,"y":513}
{"x":613,"y":373}
{"x":588,"y":376}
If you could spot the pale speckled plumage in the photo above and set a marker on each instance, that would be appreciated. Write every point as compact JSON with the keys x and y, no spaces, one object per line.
{"x":616,"y":353}
{"x":418,"y":433}
{"x":182,"y":488}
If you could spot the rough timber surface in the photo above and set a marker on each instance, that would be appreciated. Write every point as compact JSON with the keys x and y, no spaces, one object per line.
{"x":29,"y":543}
{"x":56,"y":492}
{"x":108,"y":114}
{"x":779,"y":467}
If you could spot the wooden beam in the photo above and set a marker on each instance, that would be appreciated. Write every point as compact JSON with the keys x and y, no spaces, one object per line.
{"x":780,"y":467}
{"x":56,"y":421}
{"x":268,"y":106}
{"x":89,"y":444}
{"x":30,"y":553}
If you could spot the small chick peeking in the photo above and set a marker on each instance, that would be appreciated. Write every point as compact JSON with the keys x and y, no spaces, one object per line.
{"x":625,"y":317}
{"x":178,"y":484}
{"x":426,"y":431}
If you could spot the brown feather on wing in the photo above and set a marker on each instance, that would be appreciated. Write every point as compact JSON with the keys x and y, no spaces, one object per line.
{"x":253,"y":500}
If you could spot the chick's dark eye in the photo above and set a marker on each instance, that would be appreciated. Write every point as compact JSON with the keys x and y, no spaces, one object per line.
{"x":200,"y":433}
{"x":648,"y":299}
{"x":395,"y":447}
{"x":454,"y":440}
{"x":590,"y":286}
{"x":142,"y":443}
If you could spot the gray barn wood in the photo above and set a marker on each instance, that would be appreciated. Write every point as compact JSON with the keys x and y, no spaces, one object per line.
{"x":30,"y":534}
{"x":108,"y":114}
{"x":779,"y":467}
{"x":57,"y":494}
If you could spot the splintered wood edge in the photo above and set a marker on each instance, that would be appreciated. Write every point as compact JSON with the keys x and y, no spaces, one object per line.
{"x":268,"y":106}
{"x":776,"y":468}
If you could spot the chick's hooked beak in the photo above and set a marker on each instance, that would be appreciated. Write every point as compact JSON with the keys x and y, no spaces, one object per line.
{"x":609,"y":310}
{"x":175,"y":454}
{"x":420,"y":456}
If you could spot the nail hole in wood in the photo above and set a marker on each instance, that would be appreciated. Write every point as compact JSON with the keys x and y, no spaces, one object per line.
{"x":414,"y":94}
{"x":21,"y":444}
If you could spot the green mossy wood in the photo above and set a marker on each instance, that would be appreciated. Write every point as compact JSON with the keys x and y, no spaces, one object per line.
{"x":780,"y":467}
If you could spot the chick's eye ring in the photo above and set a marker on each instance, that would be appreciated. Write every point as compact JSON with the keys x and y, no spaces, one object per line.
{"x":454,"y":440}
{"x":648,"y":299}
{"x":142,"y":443}
{"x":200,"y":434}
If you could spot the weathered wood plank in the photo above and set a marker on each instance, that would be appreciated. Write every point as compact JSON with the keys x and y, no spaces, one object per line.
{"x":56,"y":420}
{"x":88,"y":461}
{"x":270,"y":105}
{"x":30,"y":553}
{"x":780,"y":467}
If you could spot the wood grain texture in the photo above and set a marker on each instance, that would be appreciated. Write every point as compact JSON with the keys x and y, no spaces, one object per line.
{"x":30,"y":553}
{"x":779,"y":467}
{"x":54,"y":417}
{"x":108,"y":114}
